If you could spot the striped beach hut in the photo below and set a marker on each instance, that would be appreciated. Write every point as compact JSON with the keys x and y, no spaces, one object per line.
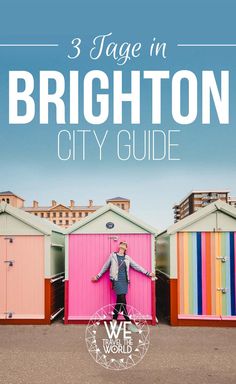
{"x":196,"y":263}
{"x":31,"y":268}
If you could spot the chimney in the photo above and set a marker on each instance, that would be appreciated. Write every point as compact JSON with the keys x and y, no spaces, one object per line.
{"x":72,"y":203}
{"x":54,"y":203}
{"x":35,"y":204}
{"x":90,"y":203}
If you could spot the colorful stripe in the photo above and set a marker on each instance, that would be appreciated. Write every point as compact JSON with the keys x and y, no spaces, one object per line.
{"x":180,"y":273}
{"x":202,"y":277}
{"x":218,"y":294}
{"x":213,"y":273}
{"x":227,"y":296}
{"x":208,"y":268}
{"x":199,"y":272}
{"x":194,"y":276}
{"x":202,"y":274}
{"x":186,"y":275}
{"x":232,"y":271}
{"x":223,"y":275}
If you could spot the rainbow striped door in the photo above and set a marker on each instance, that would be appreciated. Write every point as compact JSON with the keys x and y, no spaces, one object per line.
{"x":207,"y":274}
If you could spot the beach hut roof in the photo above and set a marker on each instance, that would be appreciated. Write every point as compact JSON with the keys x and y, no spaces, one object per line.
{"x":42,"y":225}
{"x":217,"y":205}
{"x":118,"y":211}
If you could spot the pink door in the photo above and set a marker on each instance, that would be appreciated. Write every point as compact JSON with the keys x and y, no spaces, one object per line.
{"x":22,"y":277}
{"x":87,"y":254}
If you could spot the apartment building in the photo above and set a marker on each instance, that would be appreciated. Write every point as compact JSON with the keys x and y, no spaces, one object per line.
{"x":232,"y":201}
{"x":198,"y":199}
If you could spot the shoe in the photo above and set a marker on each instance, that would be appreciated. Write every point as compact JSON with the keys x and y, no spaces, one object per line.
{"x":132,"y":327}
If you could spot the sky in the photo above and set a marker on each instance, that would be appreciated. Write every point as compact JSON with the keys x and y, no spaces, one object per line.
{"x":28,"y":153}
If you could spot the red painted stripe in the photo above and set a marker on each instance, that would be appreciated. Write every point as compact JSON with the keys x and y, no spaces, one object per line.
{"x":208,"y":292}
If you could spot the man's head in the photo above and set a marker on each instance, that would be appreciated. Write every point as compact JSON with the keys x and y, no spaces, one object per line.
{"x":123,"y":245}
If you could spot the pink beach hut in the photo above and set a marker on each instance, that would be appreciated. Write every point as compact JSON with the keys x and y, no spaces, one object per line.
{"x":88,"y":244}
{"x":31,"y":268}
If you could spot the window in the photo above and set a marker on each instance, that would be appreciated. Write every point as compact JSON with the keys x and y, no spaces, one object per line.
{"x":36,"y":214}
{"x":48,"y":214}
{"x":66,"y":214}
{"x":67,"y":222}
{"x":122,"y":206}
{"x":54,"y":221}
{"x":60,"y":214}
{"x":42,"y":215}
{"x":80,"y":214}
{"x":54,"y":214}
{"x":8,"y":201}
{"x":60,"y":222}
{"x":86,"y":213}
{"x":73,"y":215}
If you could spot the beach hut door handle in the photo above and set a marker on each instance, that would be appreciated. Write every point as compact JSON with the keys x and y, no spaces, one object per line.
{"x":222,"y":258}
{"x":9,"y":238}
{"x":223,"y":290}
{"x":9,"y":314}
{"x":114,"y":237}
{"x":10,"y":262}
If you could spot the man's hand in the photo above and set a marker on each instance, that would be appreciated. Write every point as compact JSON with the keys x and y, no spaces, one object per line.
{"x":94,"y":279}
{"x":152,"y":274}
